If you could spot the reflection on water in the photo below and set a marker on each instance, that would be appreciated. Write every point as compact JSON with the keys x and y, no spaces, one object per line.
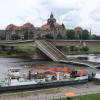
{"x":83,"y":58}
{"x":6,"y":63}
{"x":91,"y":57}
{"x":94,"y":58}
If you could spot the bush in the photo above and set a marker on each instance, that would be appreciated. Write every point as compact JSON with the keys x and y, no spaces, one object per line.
{"x":48,"y":36}
{"x":84,"y":49}
{"x":72,"y":48}
{"x":76,"y":49}
{"x":66,"y":49}
{"x":59,"y":36}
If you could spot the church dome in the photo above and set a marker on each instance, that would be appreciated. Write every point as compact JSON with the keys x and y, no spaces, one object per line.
{"x":11,"y":27}
{"x":27,"y":26}
{"x":78,"y":29}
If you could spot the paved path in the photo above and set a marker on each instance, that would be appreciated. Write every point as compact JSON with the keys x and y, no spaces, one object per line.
{"x":50,"y":94}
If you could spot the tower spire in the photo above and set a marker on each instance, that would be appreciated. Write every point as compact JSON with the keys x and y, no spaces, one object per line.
{"x":51,"y":20}
{"x":51,"y":15}
{"x":90,"y":33}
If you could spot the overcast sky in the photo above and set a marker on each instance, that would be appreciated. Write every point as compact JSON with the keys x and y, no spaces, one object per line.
{"x":84,"y":13}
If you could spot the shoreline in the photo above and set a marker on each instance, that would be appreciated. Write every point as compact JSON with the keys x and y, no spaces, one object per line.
{"x":23,"y":56}
{"x":83,"y":53}
{"x":52,"y":93}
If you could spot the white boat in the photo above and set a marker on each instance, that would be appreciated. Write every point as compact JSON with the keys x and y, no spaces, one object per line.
{"x":22,"y":78}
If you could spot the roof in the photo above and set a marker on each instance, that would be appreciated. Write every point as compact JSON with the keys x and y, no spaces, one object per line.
{"x":11,"y":27}
{"x":56,"y":24}
{"x":27,"y":26}
{"x":47,"y":27}
{"x":78,"y":29}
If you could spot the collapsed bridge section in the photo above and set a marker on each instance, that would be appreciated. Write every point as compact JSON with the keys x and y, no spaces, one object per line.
{"x":50,"y":50}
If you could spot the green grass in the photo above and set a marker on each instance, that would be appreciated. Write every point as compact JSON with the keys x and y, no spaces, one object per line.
{"x":94,"y":48}
{"x":29,"y":50}
{"x":85,"y":97}
{"x":20,"y":52}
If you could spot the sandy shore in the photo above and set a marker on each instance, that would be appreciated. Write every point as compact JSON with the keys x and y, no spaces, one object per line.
{"x":52,"y":93}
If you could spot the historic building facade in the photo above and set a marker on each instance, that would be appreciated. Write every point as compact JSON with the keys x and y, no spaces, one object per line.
{"x":28,"y":31}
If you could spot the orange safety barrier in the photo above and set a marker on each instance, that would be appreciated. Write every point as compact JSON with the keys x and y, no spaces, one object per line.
{"x":55,"y":69}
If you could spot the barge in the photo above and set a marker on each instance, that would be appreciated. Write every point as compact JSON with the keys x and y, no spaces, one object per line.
{"x":19,"y":79}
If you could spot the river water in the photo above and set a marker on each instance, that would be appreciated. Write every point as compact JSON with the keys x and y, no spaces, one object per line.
{"x":89,"y":57}
{"x":6,"y":63}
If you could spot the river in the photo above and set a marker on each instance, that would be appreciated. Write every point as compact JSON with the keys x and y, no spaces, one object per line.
{"x":6,"y":63}
{"x":89,"y":57}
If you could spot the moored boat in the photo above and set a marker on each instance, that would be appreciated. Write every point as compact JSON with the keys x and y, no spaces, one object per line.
{"x":37,"y":78}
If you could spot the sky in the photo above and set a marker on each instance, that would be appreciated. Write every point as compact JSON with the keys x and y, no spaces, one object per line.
{"x":73,"y":13}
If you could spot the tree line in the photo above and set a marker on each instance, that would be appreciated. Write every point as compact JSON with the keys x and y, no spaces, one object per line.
{"x":72,"y":35}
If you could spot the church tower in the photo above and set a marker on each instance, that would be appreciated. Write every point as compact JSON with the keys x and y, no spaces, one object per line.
{"x":51,"y":21}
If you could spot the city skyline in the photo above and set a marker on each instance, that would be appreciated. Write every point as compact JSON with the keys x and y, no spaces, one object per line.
{"x":72,"y":13}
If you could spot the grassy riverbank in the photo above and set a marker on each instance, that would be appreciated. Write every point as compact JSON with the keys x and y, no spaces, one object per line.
{"x":85,"y":97}
{"x":27,"y":52}
{"x":19,"y":52}
{"x":93,"y":49}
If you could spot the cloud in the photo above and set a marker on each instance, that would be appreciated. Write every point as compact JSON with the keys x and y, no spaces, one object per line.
{"x":71,"y":19}
{"x":72,"y":13}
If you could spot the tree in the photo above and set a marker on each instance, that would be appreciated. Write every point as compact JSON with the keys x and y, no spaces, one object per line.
{"x":76,"y":49}
{"x":95,"y":37}
{"x":66,"y":49}
{"x":59,"y":36}
{"x":72,"y":48}
{"x":84,"y":49}
{"x":3,"y":47}
{"x":78,"y":35}
{"x":85,"y":35}
{"x":70,"y":34}
{"x":48,"y":36}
